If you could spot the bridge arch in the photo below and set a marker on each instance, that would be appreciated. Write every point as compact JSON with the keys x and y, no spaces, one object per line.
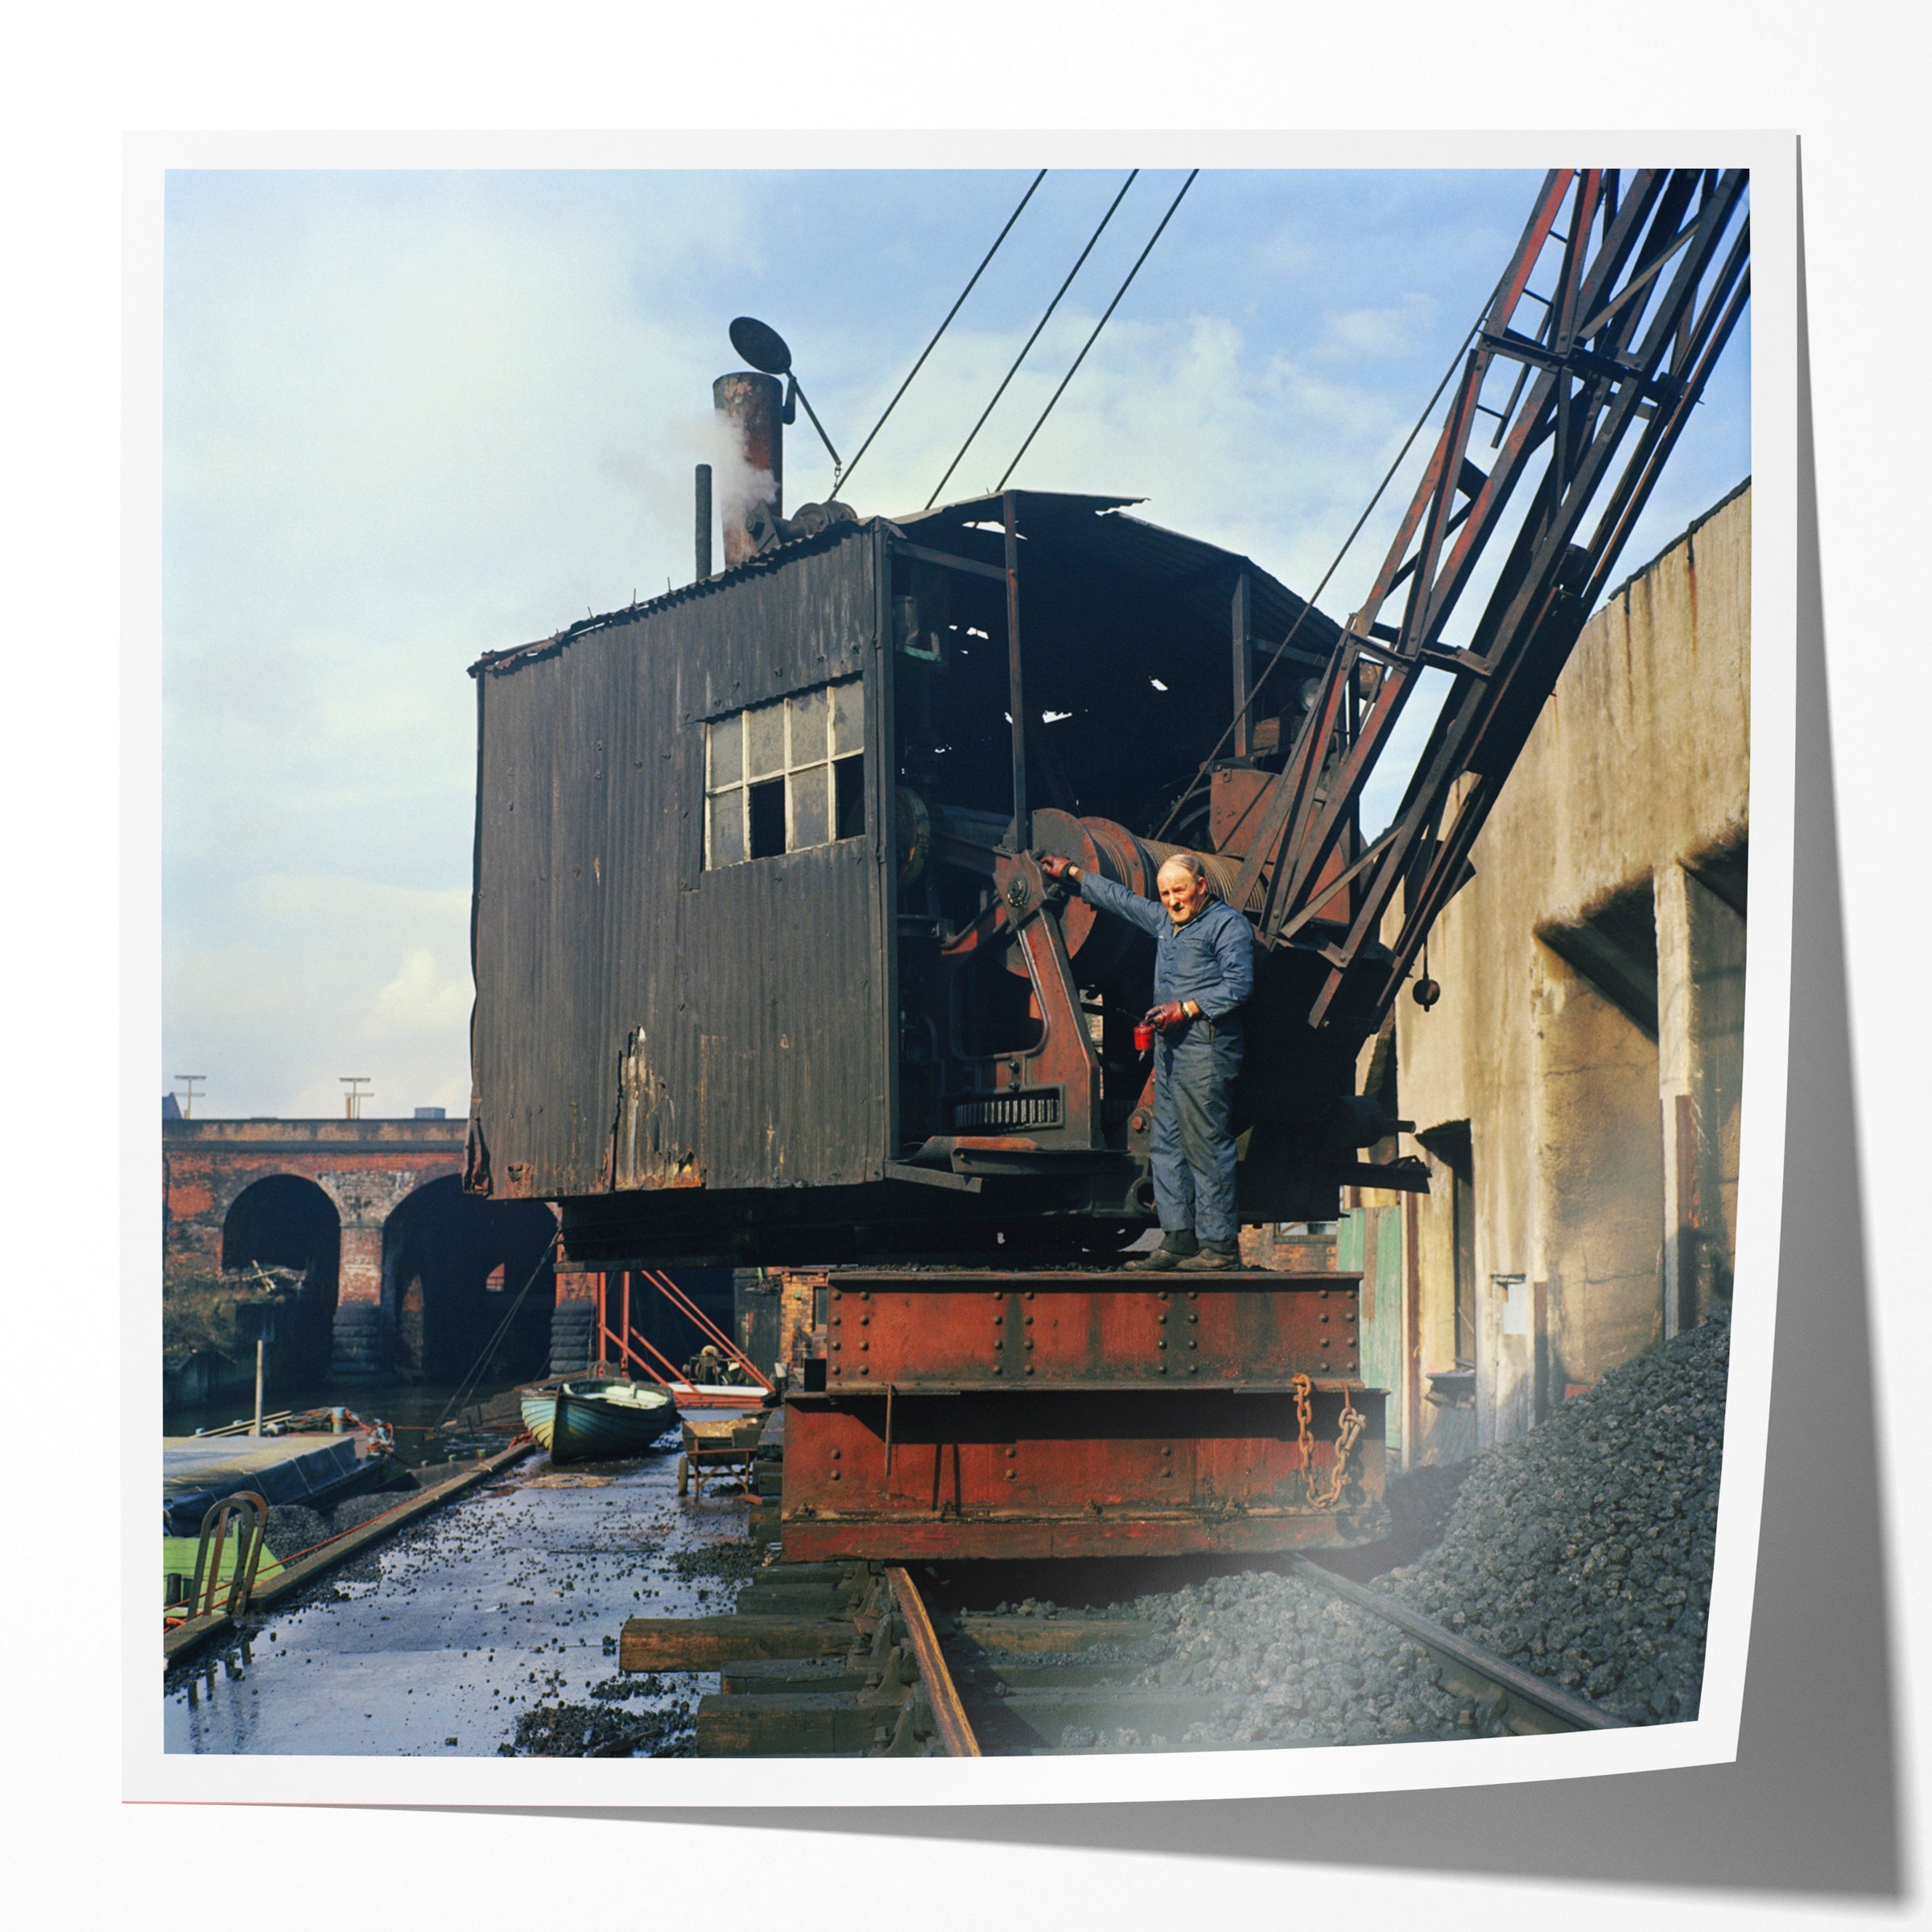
{"x":286,"y":1221}
{"x":453,"y":1267}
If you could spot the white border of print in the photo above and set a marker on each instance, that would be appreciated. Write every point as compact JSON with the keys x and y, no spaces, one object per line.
{"x":150,"y":1774}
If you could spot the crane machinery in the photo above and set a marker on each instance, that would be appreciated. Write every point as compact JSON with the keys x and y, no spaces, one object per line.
{"x":768,"y":971}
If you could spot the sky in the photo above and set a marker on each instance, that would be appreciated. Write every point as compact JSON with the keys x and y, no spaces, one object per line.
{"x":411,"y":417}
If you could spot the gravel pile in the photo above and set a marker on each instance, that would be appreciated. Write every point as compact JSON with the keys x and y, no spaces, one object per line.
{"x":1581,"y":1552}
{"x":293,"y":1528}
{"x":1296,"y":1666}
{"x":353,"y":1510}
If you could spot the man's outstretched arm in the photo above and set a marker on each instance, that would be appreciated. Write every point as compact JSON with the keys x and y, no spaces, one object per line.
{"x":1149,"y":914}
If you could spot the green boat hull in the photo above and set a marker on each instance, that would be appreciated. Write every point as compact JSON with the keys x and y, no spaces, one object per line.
{"x":580,"y":1422}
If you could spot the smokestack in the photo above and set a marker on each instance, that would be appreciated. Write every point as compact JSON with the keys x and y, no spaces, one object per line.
{"x":704,"y":531}
{"x":754,"y":406}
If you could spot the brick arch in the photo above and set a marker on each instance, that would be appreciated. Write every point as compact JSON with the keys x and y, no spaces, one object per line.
{"x":441,"y":1249}
{"x":275,"y":1200}
{"x":366,"y":1168}
{"x":286,"y":1221}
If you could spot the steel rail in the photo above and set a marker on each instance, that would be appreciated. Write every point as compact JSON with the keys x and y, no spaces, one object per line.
{"x":830,"y":1662}
{"x":1547,"y":1705}
{"x":948,"y":1713}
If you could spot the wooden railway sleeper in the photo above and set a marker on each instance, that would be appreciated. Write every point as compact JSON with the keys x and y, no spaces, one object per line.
{"x":893,"y":1710}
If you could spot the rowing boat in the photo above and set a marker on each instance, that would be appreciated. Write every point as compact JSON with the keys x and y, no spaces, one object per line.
{"x":717,"y":1395}
{"x":597,"y":1420}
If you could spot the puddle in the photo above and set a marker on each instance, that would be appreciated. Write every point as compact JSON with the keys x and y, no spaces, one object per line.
{"x":492,"y":1621}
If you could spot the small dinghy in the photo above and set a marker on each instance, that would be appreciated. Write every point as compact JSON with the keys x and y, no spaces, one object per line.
{"x":592,"y":1420}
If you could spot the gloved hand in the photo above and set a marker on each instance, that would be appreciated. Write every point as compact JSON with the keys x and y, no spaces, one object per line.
{"x":1062,"y":872}
{"x":1164,"y":1017}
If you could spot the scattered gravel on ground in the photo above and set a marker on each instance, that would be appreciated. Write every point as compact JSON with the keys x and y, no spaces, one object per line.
{"x":1581,"y":1552}
{"x":736,"y":1561}
{"x":577,"y":1731}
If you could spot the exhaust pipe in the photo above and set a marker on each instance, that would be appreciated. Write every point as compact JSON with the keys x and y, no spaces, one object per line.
{"x":752,"y":404}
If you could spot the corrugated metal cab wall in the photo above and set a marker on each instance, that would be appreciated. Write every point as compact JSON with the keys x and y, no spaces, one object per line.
{"x":642,"y":1022}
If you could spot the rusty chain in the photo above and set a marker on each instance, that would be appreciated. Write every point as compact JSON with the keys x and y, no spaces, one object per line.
{"x":1304,"y":1410}
{"x":1347,"y":1434}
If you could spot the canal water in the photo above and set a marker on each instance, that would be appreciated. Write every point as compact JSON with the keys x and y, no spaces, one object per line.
{"x":487,"y":1628}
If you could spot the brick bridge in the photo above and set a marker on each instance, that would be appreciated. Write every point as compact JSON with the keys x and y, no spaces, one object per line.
{"x":402,"y":1271}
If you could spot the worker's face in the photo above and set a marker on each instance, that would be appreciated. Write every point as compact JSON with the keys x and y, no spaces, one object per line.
{"x":1183,"y":893}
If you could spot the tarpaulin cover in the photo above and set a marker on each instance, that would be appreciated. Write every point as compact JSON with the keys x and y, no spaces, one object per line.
{"x":197,"y":1471}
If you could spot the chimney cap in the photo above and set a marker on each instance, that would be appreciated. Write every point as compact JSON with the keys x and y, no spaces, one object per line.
{"x":762,"y":346}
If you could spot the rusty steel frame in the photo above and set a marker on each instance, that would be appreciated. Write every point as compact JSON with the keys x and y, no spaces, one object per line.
{"x":626,"y":1338}
{"x":1587,"y":379}
{"x":1003,"y":1414}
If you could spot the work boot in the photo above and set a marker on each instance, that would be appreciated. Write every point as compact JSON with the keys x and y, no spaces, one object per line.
{"x":1211,"y":1257}
{"x":1177,"y":1245}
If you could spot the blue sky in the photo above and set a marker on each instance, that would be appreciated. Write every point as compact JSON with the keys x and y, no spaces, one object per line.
{"x":411,"y":417}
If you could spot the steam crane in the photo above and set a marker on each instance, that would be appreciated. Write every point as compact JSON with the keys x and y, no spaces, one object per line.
{"x":768,"y":970}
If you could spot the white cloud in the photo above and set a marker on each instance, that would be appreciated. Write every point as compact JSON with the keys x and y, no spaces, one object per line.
{"x":410,"y":419}
{"x":427,"y":995}
{"x":1354,"y":334}
{"x":305,"y":977}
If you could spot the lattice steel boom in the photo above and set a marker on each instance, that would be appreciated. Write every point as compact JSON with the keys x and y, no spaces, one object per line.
{"x":1651,"y":274}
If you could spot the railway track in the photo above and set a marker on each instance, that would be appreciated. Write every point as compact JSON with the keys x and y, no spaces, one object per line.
{"x":849,"y":1659}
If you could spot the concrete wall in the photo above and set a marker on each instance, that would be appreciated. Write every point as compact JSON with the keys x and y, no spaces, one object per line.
{"x":1590,"y":1025}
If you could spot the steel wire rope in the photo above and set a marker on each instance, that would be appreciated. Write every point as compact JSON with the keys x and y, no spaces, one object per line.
{"x":1097,"y":327}
{"x":490,"y":1346}
{"x":839,"y":481}
{"x":1347,"y":544}
{"x":1032,"y":339}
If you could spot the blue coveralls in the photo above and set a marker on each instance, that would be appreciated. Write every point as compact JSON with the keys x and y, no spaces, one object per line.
{"x":1210,"y":961}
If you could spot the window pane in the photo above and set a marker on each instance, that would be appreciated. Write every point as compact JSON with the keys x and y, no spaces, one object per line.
{"x":727,"y":751}
{"x":727,"y":846}
{"x":808,"y":726}
{"x":810,"y":808}
{"x":848,"y":797}
{"x":765,"y":740}
{"x":847,"y":717}
{"x":767,"y":816}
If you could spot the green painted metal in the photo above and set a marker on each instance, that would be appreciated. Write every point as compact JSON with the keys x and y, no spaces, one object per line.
{"x":1370,"y":1238}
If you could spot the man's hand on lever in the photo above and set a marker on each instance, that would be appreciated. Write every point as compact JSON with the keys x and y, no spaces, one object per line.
{"x":1062,"y":872}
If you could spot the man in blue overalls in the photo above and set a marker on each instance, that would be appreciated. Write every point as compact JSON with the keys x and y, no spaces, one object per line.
{"x":1203,"y":971}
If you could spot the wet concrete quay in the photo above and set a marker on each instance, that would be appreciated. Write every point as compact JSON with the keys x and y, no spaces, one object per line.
{"x":487,"y":1628}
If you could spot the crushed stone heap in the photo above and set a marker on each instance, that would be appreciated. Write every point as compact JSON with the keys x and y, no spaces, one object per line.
{"x":1581,"y":1552}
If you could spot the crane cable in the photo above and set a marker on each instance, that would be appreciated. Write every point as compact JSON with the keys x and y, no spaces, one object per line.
{"x":473,"y":1380}
{"x":1347,"y":543}
{"x":1095,"y":337}
{"x":1032,"y":339}
{"x":846,"y":477}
